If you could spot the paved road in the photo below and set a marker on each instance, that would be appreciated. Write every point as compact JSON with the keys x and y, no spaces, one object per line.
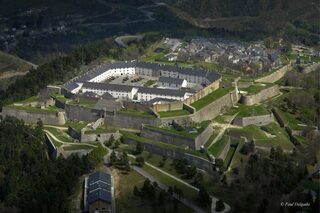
{"x":121,"y":43}
{"x":147,"y":175}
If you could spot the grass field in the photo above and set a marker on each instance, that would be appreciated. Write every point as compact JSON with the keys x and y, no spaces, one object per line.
{"x":11,"y":64}
{"x":30,"y":100}
{"x":61,"y":135}
{"x":188,"y":192}
{"x":200,"y":128}
{"x":247,"y":111}
{"x":56,"y":143}
{"x":136,"y":113}
{"x":255,"y":88}
{"x":174,"y":113}
{"x":229,"y":157}
{"x":127,"y":202}
{"x":77,"y":147}
{"x":137,"y":138}
{"x":76,"y":125}
{"x":261,"y":138}
{"x":210,"y":98}
{"x":291,"y":120}
{"x":50,"y":109}
{"x":217,"y":148}
{"x":102,"y":129}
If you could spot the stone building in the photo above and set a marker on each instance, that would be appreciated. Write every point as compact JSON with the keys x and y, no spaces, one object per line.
{"x":98,"y":193}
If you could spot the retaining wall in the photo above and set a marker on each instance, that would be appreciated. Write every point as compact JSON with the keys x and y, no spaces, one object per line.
{"x":130,"y":121}
{"x":275,"y":76}
{"x":101,"y":137}
{"x":204,"y":92}
{"x":260,"y":120}
{"x":178,"y":140}
{"x":176,"y":105}
{"x":263,"y":95}
{"x":225,"y":150}
{"x":200,"y":163}
{"x":50,"y":118}
{"x":215,"y":108}
{"x":311,"y":68}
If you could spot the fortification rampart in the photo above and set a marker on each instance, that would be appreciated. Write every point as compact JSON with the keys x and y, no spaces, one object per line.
{"x":204,"y":92}
{"x":263,"y":95}
{"x":259,"y":120}
{"x":215,"y":108}
{"x":275,"y":76}
{"x":311,"y":68}
{"x":123,"y":120}
{"x":200,"y":163}
{"x":50,"y":118}
{"x":225,"y":150}
{"x":178,"y":140}
{"x":98,"y":137}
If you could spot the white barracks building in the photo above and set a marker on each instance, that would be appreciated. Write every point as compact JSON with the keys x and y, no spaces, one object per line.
{"x":172,"y":81}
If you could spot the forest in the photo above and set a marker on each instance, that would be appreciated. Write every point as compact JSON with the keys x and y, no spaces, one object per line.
{"x":29,"y":180}
{"x":66,"y":67}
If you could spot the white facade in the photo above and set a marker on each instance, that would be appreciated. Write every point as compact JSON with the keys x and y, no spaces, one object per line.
{"x":113,"y":72}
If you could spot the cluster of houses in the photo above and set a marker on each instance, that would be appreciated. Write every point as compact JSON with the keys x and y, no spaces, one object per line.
{"x":225,"y":52}
{"x":28,"y":23}
{"x":172,"y":83}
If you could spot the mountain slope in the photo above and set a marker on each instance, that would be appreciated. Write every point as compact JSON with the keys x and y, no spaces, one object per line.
{"x":293,"y":18}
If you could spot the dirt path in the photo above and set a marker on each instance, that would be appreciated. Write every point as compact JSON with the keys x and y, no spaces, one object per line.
{"x":223,"y":129}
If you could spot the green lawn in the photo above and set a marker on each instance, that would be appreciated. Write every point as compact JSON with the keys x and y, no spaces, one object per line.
{"x":229,"y":157}
{"x":174,"y":113}
{"x":199,"y":104}
{"x":77,"y":125}
{"x":127,"y":202}
{"x":254,"y":132}
{"x":188,"y":192}
{"x":137,"y":138}
{"x":217,"y":148}
{"x":30,"y":100}
{"x":77,"y":147}
{"x":83,"y":103}
{"x":212,"y":137}
{"x":61,"y":135}
{"x":50,"y":109}
{"x":255,"y":88}
{"x":247,"y":111}
{"x":56,"y":143}
{"x":137,"y":113}
{"x":61,"y":98}
{"x":291,"y":120}
{"x":101,"y":129}
{"x":149,"y":83}
{"x":200,"y":128}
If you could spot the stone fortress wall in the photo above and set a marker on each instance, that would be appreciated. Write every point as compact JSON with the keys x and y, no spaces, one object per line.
{"x":275,"y":76}
{"x":129,"y":121}
{"x":199,"y":162}
{"x":311,"y":68}
{"x":178,"y":140}
{"x":260,"y":120}
{"x":215,"y":108}
{"x":101,"y":137}
{"x":261,"y":96}
{"x":50,"y":118}
{"x":204,"y":92}
{"x":225,"y":150}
